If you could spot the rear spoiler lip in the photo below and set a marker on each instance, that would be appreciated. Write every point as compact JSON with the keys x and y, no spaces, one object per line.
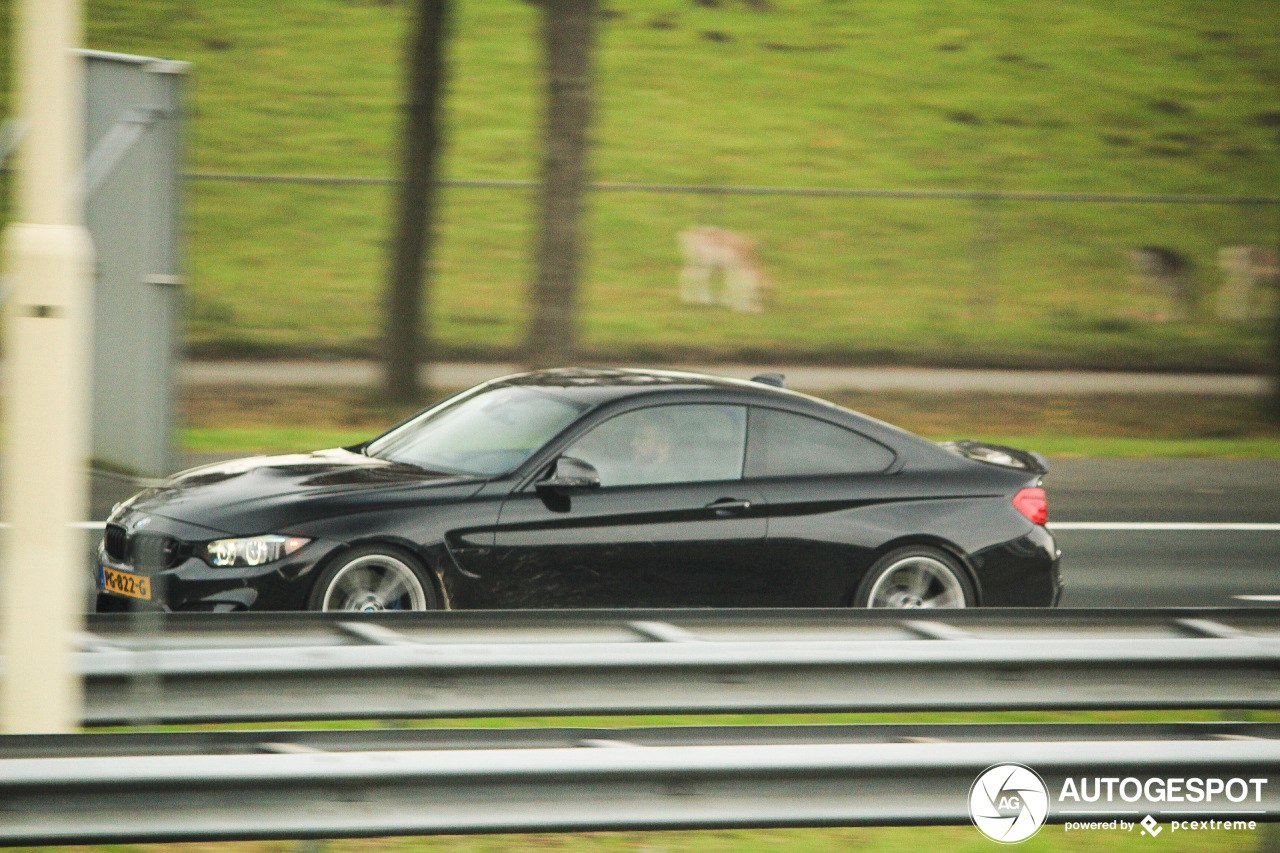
{"x":1025,"y":460}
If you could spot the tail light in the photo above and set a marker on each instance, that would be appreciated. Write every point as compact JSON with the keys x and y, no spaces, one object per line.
{"x":1033,"y":504}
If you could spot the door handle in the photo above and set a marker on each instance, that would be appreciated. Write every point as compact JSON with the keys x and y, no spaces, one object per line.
{"x":727,"y":507}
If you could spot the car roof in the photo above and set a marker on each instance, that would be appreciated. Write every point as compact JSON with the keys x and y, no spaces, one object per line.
{"x":601,"y":384}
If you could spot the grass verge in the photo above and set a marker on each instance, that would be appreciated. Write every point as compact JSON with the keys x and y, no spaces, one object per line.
{"x":954,"y":839}
{"x":295,"y":439}
{"x":255,"y":419}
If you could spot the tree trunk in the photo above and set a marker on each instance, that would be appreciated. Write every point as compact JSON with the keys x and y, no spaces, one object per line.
{"x":406,"y":334}
{"x":1274,"y":402}
{"x":1275,"y":357}
{"x":568,"y":36}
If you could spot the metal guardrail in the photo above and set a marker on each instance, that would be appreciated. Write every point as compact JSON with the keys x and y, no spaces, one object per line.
{"x":190,"y":786}
{"x":642,"y":625}
{"x":341,"y":666}
{"x":245,"y":785}
{"x":254,"y":741}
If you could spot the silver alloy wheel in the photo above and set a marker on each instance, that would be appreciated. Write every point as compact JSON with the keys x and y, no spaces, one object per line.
{"x":375,"y":582}
{"x":917,"y":581}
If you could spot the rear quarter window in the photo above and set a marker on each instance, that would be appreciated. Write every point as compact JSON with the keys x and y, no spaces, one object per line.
{"x":784,"y":444}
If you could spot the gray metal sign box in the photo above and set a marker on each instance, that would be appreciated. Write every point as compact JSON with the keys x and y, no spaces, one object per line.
{"x":133,"y":211}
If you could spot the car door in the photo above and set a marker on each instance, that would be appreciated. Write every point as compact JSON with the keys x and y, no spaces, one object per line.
{"x":671,"y":524}
{"x":824,"y":486}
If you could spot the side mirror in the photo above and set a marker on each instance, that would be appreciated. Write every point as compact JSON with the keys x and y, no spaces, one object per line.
{"x":571,"y":475}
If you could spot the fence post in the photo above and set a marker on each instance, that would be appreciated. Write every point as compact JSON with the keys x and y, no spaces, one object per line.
{"x":986,"y":265}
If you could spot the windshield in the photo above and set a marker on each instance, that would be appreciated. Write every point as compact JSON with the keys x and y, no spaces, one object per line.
{"x":486,"y":433}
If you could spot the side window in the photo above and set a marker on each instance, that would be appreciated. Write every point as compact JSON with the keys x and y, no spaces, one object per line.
{"x":667,"y":444}
{"x":783,"y":444}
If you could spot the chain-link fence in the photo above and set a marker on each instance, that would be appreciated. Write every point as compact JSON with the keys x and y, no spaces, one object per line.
{"x":296,"y":263}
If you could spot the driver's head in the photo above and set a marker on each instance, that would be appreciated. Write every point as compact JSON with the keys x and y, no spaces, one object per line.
{"x":653,"y":440}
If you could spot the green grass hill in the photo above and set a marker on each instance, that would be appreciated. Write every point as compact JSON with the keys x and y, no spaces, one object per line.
{"x":1122,"y":96}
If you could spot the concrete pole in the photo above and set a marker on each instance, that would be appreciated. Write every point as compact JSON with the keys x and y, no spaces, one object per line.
{"x":49,"y":258}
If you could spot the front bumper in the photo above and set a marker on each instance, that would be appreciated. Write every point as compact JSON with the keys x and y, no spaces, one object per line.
{"x":194,"y":585}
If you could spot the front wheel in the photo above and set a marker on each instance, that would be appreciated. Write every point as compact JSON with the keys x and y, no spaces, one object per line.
{"x":915,"y":577}
{"x":372,"y":579}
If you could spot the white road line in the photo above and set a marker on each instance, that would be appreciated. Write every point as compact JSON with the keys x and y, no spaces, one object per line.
{"x":1257,"y":597}
{"x":1160,"y":525}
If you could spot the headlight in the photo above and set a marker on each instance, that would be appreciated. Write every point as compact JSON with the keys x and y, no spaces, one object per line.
{"x":251,"y":551}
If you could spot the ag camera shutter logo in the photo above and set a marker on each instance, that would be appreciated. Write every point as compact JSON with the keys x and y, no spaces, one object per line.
{"x":1008,"y":803}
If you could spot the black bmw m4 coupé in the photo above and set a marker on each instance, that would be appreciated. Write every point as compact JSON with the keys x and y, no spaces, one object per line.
{"x":598,"y":488}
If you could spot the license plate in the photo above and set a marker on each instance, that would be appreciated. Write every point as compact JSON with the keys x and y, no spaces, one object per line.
{"x":123,"y":583}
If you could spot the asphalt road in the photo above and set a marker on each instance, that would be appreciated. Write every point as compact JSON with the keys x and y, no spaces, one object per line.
{"x":1127,"y":568}
{"x":811,"y":379}
{"x":1167,"y":568}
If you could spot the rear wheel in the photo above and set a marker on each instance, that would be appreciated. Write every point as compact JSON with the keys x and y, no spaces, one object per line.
{"x":372,"y":579}
{"x":916,"y":577}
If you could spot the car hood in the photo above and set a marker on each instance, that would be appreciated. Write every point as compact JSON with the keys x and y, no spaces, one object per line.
{"x":269,"y":493}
